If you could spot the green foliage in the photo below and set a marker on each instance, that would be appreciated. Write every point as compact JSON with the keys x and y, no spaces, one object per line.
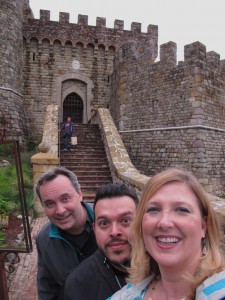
{"x":9,"y":191}
{"x":31,"y":145}
{"x":6,"y":205}
{"x":6,"y":151}
{"x":2,"y":235}
{"x":2,"y":239}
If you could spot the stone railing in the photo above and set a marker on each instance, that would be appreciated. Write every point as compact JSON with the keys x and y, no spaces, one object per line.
{"x":120,"y":164}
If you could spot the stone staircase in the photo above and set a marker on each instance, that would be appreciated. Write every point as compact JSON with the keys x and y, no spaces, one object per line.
{"x":87,"y":160}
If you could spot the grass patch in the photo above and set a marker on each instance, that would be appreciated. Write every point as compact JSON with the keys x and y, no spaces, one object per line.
{"x":9,"y":191}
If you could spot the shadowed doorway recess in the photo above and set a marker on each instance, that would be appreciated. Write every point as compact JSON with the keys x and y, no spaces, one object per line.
{"x":73,"y":107}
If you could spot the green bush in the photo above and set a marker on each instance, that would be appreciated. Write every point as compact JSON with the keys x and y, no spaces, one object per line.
{"x":31,"y":145}
{"x":9,"y":191}
{"x":6,"y":205}
{"x":6,"y":152}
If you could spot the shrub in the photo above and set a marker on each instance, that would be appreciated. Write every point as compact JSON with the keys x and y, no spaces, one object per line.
{"x":9,"y":191}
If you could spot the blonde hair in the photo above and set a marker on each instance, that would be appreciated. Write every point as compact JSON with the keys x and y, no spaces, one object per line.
{"x":142,"y":264}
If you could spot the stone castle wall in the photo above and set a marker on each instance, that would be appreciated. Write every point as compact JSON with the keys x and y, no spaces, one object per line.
{"x":11,"y":79}
{"x":168,"y":114}
{"x":161,"y":94}
{"x":50,"y":48}
{"x":172,"y":115}
{"x":199,"y":150}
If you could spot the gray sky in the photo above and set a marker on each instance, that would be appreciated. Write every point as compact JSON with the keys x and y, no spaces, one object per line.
{"x":180,"y":21}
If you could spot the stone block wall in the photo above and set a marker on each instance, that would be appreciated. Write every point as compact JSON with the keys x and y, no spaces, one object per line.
{"x":11,"y":79}
{"x":51,"y":47}
{"x":172,"y":115}
{"x":147,"y":94}
{"x":197,"y":149}
{"x":11,"y":44}
{"x":12,"y":107}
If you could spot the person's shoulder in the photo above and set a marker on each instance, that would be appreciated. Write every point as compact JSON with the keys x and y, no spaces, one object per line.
{"x":89,"y":205}
{"x":44,"y":232}
{"x":212,"y":288}
{"x":130,"y":291}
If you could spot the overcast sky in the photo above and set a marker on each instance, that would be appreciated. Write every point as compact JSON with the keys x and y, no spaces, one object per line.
{"x":180,"y":21}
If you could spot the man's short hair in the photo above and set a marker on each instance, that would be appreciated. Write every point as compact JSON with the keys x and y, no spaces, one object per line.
{"x":52,"y":174}
{"x":113,"y":190}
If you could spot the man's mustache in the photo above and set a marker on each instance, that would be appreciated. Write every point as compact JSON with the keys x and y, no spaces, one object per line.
{"x":116,"y":240}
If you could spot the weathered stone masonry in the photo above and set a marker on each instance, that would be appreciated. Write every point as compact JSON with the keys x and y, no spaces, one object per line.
{"x":11,"y":76}
{"x":172,"y":115}
{"x":168,"y":114}
{"x":50,"y":48}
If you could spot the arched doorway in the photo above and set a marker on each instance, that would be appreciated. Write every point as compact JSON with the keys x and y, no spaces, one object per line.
{"x":73,"y":107}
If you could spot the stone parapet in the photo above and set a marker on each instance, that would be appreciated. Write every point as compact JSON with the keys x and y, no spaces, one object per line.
{"x":120,"y":164}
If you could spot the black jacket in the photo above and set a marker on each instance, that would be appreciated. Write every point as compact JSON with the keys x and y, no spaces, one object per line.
{"x":93,"y":279}
{"x":56,"y":259}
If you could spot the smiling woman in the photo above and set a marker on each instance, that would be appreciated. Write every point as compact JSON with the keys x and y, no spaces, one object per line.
{"x":175,"y":242}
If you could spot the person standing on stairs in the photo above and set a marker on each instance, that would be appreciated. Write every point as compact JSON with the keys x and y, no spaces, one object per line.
{"x":68,"y":238}
{"x":104,"y":272}
{"x":68,"y":129}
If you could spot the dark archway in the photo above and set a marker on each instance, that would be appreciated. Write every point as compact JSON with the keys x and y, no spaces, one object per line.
{"x":73,"y":107}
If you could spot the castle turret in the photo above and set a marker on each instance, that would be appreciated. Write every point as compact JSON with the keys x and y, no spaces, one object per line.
{"x":11,"y":79}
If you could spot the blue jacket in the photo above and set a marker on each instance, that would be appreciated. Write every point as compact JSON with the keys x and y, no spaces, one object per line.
{"x":56,"y":259}
{"x":213,"y":288}
{"x":68,"y":128}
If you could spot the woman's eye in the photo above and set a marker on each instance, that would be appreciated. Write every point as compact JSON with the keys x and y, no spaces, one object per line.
{"x":152,"y":209}
{"x":183,"y":210}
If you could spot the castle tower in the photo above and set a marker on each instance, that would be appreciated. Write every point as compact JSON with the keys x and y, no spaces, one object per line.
{"x":11,"y":77}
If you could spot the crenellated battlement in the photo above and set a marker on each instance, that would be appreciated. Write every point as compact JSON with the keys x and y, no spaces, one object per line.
{"x":81,"y":36}
{"x":194,"y":54}
{"x":64,"y":18}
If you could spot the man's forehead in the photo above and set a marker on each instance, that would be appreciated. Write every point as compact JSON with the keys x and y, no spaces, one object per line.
{"x":118,"y":206}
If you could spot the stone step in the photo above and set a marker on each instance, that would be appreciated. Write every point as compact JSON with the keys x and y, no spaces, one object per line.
{"x":96,"y":163}
{"x":92,"y":178}
{"x":87,"y":170}
{"x":84,"y":160}
{"x":93,"y":182}
{"x":82,"y":151}
{"x":87,"y":160}
{"x":99,"y":172}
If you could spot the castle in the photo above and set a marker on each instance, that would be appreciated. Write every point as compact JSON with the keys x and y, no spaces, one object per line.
{"x":168,"y":113}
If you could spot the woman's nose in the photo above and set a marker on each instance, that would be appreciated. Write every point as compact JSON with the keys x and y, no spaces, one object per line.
{"x":166,"y":220}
